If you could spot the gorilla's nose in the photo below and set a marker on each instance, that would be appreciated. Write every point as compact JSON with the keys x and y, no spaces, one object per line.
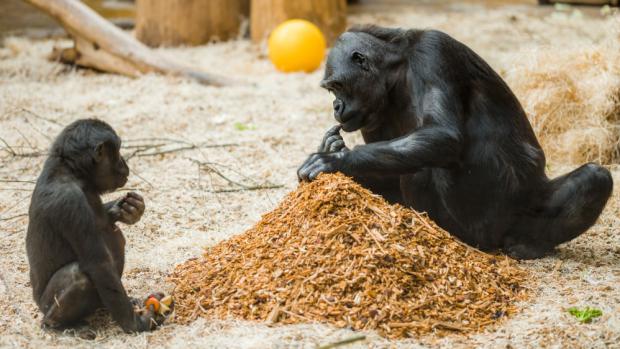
{"x":338,"y":108}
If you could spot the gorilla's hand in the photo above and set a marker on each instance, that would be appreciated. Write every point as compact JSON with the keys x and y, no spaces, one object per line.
{"x":128,"y":209}
{"x":332,"y":141}
{"x":321,"y":163}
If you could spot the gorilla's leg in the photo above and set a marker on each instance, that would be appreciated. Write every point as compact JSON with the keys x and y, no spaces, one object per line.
{"x":68,"y":297}
{"x":570,"y":205}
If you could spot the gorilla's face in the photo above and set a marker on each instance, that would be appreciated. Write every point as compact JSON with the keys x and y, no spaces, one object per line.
{"x":353,"y":75}
{"x":111,"y":170}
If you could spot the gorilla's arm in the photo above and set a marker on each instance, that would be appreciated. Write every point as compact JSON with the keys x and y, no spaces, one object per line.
{"x":431,"y":146}
{"x":94,"y":259}
{"x":436,"y":143}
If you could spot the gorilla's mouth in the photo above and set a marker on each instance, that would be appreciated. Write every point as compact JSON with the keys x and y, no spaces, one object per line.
{"x":122,"y":181}
{"x":353,"y":123}
{"x":350,"y":120}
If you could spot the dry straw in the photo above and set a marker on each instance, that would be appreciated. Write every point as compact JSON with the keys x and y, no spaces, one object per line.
{"x":572,"y":98}
{"x":333,"y":252}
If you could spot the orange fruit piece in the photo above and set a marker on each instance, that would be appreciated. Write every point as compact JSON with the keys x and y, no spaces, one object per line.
{"x":152,"y":301}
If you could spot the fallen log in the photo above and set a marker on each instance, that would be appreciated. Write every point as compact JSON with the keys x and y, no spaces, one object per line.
{"x":101,"y":45}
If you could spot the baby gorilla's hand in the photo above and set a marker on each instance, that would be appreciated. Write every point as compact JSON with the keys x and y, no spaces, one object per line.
{"x":128,"y":209}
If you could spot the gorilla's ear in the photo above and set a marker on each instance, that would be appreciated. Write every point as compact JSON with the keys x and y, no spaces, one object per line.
{"x":99,"y":152}
{"x":359,"y":59}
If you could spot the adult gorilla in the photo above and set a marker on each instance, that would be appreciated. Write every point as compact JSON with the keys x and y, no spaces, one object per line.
{"x":444,"y":134}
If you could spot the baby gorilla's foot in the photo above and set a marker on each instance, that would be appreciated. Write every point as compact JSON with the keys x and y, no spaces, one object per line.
{"x":159,"y":306}
{"x":80,"y":328}
{"x":137,"y":303}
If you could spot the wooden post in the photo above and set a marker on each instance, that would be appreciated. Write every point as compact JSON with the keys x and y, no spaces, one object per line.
{"x":188,"y":22}
{"x":329,"y":15}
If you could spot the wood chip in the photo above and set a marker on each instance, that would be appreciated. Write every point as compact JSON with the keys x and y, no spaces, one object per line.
{"x":333,"y":252}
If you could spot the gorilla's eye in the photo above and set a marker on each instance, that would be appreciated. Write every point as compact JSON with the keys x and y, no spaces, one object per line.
{"x":332,"y":86}
{"x":359,"y":59}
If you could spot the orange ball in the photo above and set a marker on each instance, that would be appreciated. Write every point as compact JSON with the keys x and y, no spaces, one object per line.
{"x":296,"y":45}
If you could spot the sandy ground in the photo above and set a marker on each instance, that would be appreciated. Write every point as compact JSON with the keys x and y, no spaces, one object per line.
{"x":273,"y":122}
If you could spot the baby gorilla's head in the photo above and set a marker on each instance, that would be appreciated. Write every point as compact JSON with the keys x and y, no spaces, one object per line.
{"x":91,"y":148}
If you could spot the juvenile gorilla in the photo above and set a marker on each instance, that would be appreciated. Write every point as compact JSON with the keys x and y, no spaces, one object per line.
{"x":75,"y":250}
{"x":444,"y":134}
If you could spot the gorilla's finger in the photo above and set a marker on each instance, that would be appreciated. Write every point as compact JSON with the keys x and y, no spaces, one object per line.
{"x":321,"y":148}
{"x":334,"y":130}
{"x":336,"y":146}
{"x":305,"y":171}
{"x":316,"y":168}
{"x":299,"y":175}
{"x":139,"y":205}
{"x":317,"y":171}
{"x":115,"y":212}
{"x":302,"y":173}
{"x":134,"y":195}
{"x":310,"y":159}
{"x":331,"y":140}
{"x":128,"y":208}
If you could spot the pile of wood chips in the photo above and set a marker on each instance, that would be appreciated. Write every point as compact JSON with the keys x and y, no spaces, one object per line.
{"x":334,"y":252}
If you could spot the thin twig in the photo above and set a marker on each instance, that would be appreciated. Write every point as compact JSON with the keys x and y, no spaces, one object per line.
{"x":290,"y":313}
{"x":13,"y":217}
{"x":230,"y":169}
{"x":8,"y":147}
{"x":35,"y":154}
{"x":142,"y":178}
{"x":34,"y":127}
{"x":12,"y":150}
{"x":143,"y":150}
{"x":41,"y":117}
{"x":155,"y":139}
{"x":8,"y":209}
{"x":180,"y":149}
{"x":243,"y":187}
{"x":143,"y":146}
{"x":343,"y":342}
{"x":250,"y":188}
{"x":16,"y":181}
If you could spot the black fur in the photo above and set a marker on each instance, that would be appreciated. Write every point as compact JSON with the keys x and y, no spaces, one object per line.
{"x":75,"y":250}
{"x":445,"y":134}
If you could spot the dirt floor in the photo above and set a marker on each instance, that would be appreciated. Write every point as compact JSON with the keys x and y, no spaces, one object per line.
{"x":258,"y":133}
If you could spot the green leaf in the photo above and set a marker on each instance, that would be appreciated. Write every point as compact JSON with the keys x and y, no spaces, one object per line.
{"x":586,"y":314}
{"x":243,"y":127}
